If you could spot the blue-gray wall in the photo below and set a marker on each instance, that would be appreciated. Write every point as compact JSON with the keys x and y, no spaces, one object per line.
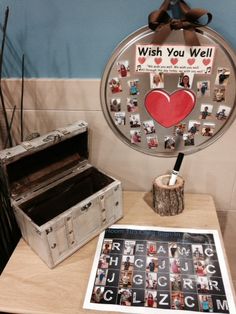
{"x":75,"y":38}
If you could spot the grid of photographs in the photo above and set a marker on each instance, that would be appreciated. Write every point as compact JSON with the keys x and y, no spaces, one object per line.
{"x":162,"y":270}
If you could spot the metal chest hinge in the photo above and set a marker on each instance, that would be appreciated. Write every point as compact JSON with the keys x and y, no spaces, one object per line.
{"x":103,"y":209}
{"x":70,"y":232}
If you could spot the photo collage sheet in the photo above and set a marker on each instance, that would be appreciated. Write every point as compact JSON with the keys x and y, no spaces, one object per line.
{"x":157,"y":270}
{"x":197,"y":72}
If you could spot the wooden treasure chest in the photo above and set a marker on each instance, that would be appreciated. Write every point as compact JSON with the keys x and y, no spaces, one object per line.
{"x":60,"y":201}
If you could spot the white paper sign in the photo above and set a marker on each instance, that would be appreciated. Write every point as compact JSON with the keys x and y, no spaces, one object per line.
{"x":174,"y":59}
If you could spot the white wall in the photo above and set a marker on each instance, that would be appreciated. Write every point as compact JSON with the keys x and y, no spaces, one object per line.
{"x":52,"y":103}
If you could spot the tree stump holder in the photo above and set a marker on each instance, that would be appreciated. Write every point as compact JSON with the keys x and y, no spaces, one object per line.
{"x":168,"y":200}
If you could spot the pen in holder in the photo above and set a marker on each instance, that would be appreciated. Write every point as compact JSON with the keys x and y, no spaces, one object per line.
{"x":168,"y":200}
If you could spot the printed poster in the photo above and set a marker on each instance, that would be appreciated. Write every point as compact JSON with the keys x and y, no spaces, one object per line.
{"x":159,"y":270}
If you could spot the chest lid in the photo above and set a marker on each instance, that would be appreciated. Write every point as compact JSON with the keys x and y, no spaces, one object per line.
{"x":36,"y":163}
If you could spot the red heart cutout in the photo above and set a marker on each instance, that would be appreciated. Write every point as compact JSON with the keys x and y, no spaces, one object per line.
{"x":169,"y":110}
{"x":174,"y":60}
{"x":206,"y":61}
{"x":158,"y":60}
{"x":141,"y":60}
{"x":191,"y":61}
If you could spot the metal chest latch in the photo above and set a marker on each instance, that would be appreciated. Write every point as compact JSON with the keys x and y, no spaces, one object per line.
{"x":70,"y":232}
{"x":103,"y":209}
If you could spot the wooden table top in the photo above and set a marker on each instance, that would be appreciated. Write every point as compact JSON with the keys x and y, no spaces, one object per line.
{"x":27,"y":285}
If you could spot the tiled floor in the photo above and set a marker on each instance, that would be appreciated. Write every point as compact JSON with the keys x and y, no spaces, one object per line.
{"x":228,"y":228}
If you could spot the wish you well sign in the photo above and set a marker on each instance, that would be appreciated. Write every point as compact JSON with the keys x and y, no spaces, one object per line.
{"x":174,"y":59}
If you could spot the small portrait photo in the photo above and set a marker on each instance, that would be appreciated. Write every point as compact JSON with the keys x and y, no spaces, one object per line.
{"x":106,"y":248}
{"x":203,"y":89}
{"x":101,"y":277}
{"x":156,"y":80}
{"x":124,"y":296}
{"x":123,"y":68}
{"x":179,"y":129}
{"x":202,"y":284}
{"x":133,"y":87}
{"x":151,"y":248}
{"x":103,"y":261}
{"x":169,"y":142}
{"x":152,"y":141}
{"x":129,"y":247}
{"x":134,"y":120}
{"x":205,"y":303}
{"x":115,"y":85}
{"x":219,"y":94}
{"x":200,"y":268}
{"x":222,"y":76}
{"x":135,"y":136}
{"x":120,"y":118}
{"x":206,"y":111}
{"x":185,"y":80}
{"x":150,"y":298}
{"x":177,"y":301}
{"x":152,"y":264}
{"x":173,"y":250}
{"x":222,"y":113}
{"x":151,"y":280}
{"x":149,"y":127}
{"x":175,"y":281}
{"x":97,"y":295}
{"x":126,"y":279}
{"x":188,"y":139}
{"x":127,"y":263}
{"x":193,"y":126}
{"x":132,"y":104}
{"x":174,"y":265}
{"x":197,"y":250}
{"x":208,"y":129}
{"x":115,"y":104}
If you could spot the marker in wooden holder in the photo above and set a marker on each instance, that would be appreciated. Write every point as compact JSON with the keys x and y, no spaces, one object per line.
{"x":175,"y":171}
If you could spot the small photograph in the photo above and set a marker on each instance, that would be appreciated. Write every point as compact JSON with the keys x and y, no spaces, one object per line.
{"x":129,"y":247}
{"x":185,"y":80}
{"x":174,"y":265}
{"x":197,"y":250}
{"x":151,"y":248}
{"x":149,"y":127}
{"x":115,"y":85}
{"x":133,"y":87}
{"x":223,"y":112}
{"x":132,"y":105}
{"x":97,"y":295}
{"x":152,"y":264}
{"x":205,"y":303}
{"x":177,"y":301}
{"x":151,"y":280}
{"x":115,"y":105}
{"x":120,"y":118}
{"x":173,"y":250}
{"x":222,"y":76}
{"x":101,"y":277}
{"x":106,"y":248}
{"x":103,"y":261}
{"x":126,"y":279}
{"x":127,"y":263}
{"x":206,"y":111}
{"x":156,"y":80}
{"x":200,"y":268}
{"x":208,"y":129}
{"x":134,"y":120}
{"x":202,"y":284}
{"x":193,"y":126}
{"x":150,"y":298}
{"x":135,"y":136}
{"x":175,"y":281}
{"x":219,"y":94}
{"x":188,"y":139}
{"x":203,"y":89}
{"x":125,"y":296}
{"x":169,"y":142}
{"x":123,"y":68}
{"x":152,"y":141}
{"x":179,"y":129}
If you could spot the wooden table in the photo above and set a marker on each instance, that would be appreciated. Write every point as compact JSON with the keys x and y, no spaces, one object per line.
{"x":27,"y":285}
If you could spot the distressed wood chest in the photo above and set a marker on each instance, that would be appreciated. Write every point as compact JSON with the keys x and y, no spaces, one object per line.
{"x":60,"y":201}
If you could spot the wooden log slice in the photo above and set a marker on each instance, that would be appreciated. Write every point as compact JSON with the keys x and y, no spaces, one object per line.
{"x":168,"y":200}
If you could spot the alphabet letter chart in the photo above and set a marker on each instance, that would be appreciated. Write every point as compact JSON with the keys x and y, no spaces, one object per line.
{"x":159,"y":270}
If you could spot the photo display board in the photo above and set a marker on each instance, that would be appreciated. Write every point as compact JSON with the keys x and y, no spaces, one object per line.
{"x":159,"y":270}
{"x":162,"y":99}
